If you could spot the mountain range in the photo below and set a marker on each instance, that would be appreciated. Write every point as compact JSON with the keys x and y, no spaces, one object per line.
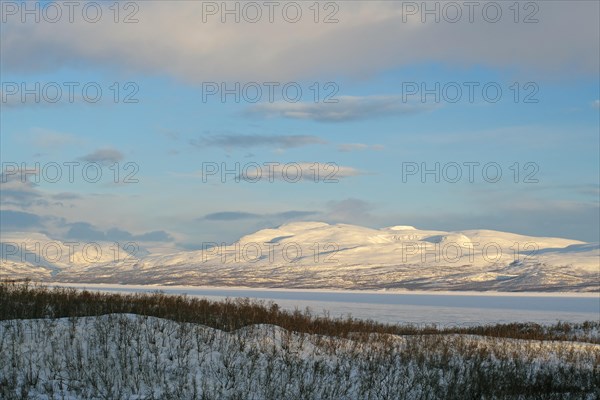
{"x":318,"y":255}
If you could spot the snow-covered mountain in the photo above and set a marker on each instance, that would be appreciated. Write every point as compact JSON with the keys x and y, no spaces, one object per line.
{"x":320,"y":255}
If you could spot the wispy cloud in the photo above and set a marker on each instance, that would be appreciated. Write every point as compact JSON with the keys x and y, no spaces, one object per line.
{"x":18,"y":187}
{"x":348,"y":108}
{"x":169,"y":134}
{"x":230,"y":216}
{"x":105,"y":156}
{"x":231,"y":141}
{"x":49,"y":139}
{"x":18,"y":220}
{"x":295,"y":172}
{"x":349,"y":210}
{"x":240,"y":215}
{"x":87,"y":231}
{"x":269,"y":172}
{"x":350,"y":147}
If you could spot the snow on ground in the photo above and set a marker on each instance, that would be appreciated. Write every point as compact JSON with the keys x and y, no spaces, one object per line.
{"x":123,"y":356}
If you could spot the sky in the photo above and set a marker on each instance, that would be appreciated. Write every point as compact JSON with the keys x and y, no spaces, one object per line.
{"x":174,"y":123}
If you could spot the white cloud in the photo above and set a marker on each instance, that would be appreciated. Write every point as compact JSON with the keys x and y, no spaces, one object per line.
{"x":369,"y":37}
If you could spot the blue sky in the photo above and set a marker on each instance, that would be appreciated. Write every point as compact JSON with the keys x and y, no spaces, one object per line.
{"x":371,"y":57}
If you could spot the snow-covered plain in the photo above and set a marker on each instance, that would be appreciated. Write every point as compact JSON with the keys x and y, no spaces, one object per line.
{"x":316,"y":255}
{"x":441,"y":308}
{"x":124,"y":356}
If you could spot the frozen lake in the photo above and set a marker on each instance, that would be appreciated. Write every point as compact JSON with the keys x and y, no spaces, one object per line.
{"x":441,"y":308}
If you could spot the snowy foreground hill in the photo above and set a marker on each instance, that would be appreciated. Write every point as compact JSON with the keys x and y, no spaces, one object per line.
{"x":126,"y":356}
{"x":319,"y":255}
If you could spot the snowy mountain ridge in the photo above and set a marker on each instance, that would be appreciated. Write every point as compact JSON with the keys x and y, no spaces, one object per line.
{"x":321,"y":255}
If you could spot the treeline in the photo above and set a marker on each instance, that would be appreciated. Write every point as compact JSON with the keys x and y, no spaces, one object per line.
{"x":25,"y":300}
